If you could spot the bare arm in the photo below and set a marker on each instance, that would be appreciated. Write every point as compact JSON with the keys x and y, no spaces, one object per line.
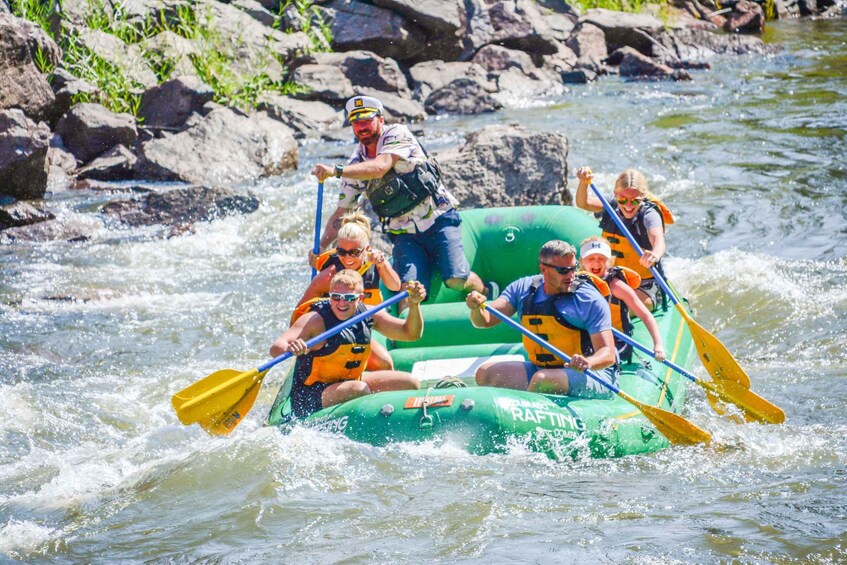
{"x":585,"y":199}
{"x":604,"y":350}
{"x":294,"y":338}
{"x":622,"y":291}
{"x":366,"y":170}
{"x":481,"y":317}
{"x":411,"y":328}
{"x":387,"y":274}
{"x":657,"y":241}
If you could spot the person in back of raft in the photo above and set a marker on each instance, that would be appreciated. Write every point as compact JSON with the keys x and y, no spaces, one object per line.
{"x":595,"y":255}
{"x":644,"y":215}
{"x":402,"y":182}
{"x":334,"y":371}
{"x":353,"y":251}
{"x":564,"y":308}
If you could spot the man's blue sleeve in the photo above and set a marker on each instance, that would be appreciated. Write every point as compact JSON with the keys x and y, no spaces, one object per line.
{"x":516,"y":292}
{"x":592,"y":310}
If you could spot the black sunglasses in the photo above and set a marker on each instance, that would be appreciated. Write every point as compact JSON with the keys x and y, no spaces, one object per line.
{"x":341,"y":252}
{"x":562,"y":270}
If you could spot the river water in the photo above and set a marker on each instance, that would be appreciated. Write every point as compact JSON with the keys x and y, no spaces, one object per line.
{"x":96,"y":336}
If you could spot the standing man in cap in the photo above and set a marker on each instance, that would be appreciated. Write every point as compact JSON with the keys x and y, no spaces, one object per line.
{"x":393,"y":171}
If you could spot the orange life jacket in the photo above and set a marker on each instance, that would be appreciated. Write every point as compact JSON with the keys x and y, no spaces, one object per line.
{"x":625,"y":255}
{"x":545,"y":320}
{"x":619,"y":309}
{"x":343,"y":356}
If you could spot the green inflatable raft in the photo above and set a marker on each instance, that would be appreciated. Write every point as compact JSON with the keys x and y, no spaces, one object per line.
{"x":502,"y":245}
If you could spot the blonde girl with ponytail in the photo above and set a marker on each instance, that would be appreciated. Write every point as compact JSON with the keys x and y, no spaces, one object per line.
{"x":644,"y":215}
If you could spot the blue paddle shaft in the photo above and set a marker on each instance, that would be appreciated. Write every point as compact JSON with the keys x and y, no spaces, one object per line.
{"x":338,"y":329}
{"x":619,"y":222}
{"x":548,"y":346}
{"x":318,"y":213}
{"x":622,"y":336}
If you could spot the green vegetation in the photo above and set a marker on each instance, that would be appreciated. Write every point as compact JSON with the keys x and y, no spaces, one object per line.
{"x":313,"y":22}
{"x":215,"y":58}
{"x":636,"y":6}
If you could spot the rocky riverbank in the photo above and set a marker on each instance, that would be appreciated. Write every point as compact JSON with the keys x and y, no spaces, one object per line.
{"x":420,"y":59}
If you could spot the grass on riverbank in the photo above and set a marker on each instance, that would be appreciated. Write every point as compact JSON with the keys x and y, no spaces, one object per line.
{"x":661,"y":8}
{"x":214,"y":59}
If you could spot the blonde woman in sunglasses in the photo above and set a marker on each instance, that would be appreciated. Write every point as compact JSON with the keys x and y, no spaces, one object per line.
{"x":644,"y":215}
{"x":353,"y":251}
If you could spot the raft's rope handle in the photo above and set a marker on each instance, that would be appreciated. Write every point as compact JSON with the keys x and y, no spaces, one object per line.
{"x":426,"y":419}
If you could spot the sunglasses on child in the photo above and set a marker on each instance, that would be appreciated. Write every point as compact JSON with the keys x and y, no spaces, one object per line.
{"x":341,"y":252}
{"x":345,"y":296}
{"x":622,"y":200}
{"x":562,"y":270}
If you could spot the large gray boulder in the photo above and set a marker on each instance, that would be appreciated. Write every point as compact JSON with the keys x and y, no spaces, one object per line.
{"x":22,"y":214}
{"x":438,"y":17}
{"x":746,"y":17}
{"x":88,"y":130}
{"x":180,"y":206}
{"x":118,"y":163}
{"x":494,"y":58}
{"x":508,"y":165}
{"x":308,"y":119}
{"x":561,"y":61}
{"x":624,"y":29}
{"x":588,"y":42}
{"x":22,"y":85}
{"x":255,"y":46}
{"x":170,"y":104}
{"x":23,"y":155}
{"x":635,"y":64}
{"x":365,"y":27}
{"x":224,"y":147}
{"x":516,"y":24}
{"x":66,"y":88}
{"x":324,"y":82}
{"x":432,"y":75}
{"x":365,"y":69}
{"x":462,"y":96}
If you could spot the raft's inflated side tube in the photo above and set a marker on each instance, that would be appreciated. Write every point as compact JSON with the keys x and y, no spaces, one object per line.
{"x":502,"y":245}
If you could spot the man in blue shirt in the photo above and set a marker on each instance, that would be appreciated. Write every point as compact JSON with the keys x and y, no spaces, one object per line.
{"x":567,"y":310}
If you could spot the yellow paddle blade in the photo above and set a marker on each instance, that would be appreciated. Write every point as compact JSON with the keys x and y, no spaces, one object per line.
{"x":222,"y":424}
{"x":754,"y":407}
{"x":677,"y":429}
{"x":214,"y":395}
{"x":714,"y":355}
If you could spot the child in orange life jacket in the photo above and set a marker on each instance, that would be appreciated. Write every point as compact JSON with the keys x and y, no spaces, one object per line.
{"x":334,"y":371}
{"x":596,"y":258}
{"x":353,"y":251}
{"x":645,"y":217}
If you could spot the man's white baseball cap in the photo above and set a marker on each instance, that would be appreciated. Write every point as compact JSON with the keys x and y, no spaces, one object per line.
{"x":594,"y":248}
{"x":363,"y":108}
